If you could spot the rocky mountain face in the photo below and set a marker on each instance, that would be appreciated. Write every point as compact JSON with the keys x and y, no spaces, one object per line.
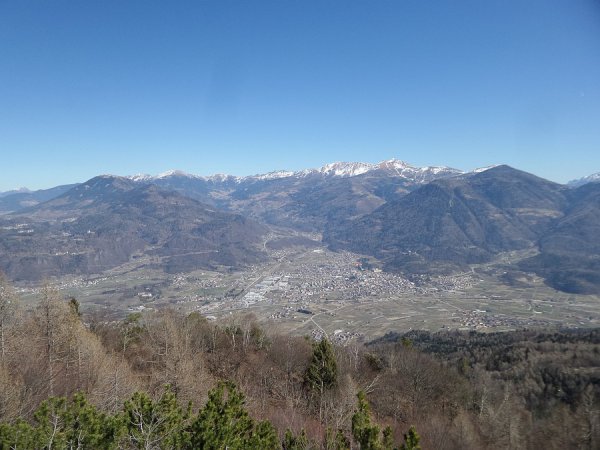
{"x":106,"y":221}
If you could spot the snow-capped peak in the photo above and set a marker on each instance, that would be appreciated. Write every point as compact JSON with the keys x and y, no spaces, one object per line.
{"x":173,"y":173}
{"x":393,"y":167}
{"x":483,"y":169}
{"x":221,"y":178}
{"x":144,"y":177}
{"x":438,"y":169}
{"x":274,"y":175}
{"x":141,"y":177}
{"x":346,"y":169}
{"x":593,"y":178}
{"x":394,"y":164}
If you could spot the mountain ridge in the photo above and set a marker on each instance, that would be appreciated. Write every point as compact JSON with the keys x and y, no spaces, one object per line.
{"x":455,"y":221}
{"x":107,"y":221}
{"x":336,"y":169}
{"x":435,"y":220}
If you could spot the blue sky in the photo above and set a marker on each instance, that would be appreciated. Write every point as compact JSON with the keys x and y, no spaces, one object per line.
{"x":242,"y":87}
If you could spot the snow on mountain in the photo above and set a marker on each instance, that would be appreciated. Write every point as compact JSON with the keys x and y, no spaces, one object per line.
{"x":403,"y":169}
{"x":141,"y":177}
{"x":437,"y":169}
{"x":175,"y":173}
{"x":346,"y":169}
{"x":593,"y":178}
{"x":144,"y":177}
{"x":336,"y":169}
{"x":274,"y":175}
{"x":391,"y":166}
{"x":222,"y":178}
{"x":483,"y":169}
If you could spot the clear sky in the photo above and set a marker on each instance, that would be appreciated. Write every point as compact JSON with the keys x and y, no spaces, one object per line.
{"x":250,"y":86}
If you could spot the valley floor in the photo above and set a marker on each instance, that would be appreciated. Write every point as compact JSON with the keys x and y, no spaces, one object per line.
{"x":313,"y":291}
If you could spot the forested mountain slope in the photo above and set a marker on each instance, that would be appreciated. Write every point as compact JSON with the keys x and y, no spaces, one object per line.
{"x":108,"y":220}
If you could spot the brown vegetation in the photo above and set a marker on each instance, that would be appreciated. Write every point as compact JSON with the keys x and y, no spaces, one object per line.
{"x":476,"y":396}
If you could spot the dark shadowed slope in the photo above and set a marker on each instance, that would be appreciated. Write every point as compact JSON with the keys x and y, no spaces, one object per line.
{"x":569,"y":256}
{"x":452,"y":222}
{"x":108,"y":220}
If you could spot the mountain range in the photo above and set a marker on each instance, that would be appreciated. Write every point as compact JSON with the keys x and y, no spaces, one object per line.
{"x":108,"y":220}
{"x":229,"y":190}
{"x":456,"y":221}
{"x":413,"y":220}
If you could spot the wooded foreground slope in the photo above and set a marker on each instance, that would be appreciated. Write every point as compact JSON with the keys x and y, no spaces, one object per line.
{"x":530,"y":389}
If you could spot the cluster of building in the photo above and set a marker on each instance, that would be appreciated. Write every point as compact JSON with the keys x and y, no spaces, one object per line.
{"x":340,"y":278}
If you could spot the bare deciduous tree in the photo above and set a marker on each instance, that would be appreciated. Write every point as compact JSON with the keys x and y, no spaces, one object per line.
{"x":8,"y":314}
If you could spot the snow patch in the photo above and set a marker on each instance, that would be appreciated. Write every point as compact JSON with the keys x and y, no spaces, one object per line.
{"x":483,"y":169}
{"x":346,"y":169}
{"x":140,"y":177}
{"x":593,"y":178}
{"x":175,"y":173}
{"x":274,"y":175}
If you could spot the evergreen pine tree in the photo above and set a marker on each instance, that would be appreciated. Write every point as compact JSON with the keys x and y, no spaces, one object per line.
{"x":388,"y":439}
{"x":20,"y":435}
{"x":336,"y":441}
{"x":160,"y":424}
{"x":411,"y":440}
{"x":365,"y":433}
{"x":225,"y":423}
{"x":291,"y":442}
{"x":264,"y":436}
{"x":59,"y":423}
{"x":322,"y":371}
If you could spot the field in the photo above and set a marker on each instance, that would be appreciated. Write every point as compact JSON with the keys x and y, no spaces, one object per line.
{"x":311,"y":291}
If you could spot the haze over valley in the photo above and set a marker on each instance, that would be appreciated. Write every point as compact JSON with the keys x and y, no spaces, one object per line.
{"x":351,"y":249}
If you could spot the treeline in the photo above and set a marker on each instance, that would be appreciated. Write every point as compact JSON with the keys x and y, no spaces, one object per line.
{"x":548,"y":367}
{"x":145,"y":423}
{"x":59,"y":369}
{"x":544,"y":384}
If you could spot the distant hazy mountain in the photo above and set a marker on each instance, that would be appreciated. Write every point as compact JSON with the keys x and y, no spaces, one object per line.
{"x":593,"y":178}
{"x":108,"y":220}
{"x":22,"y":190}
{"x":24,"y":198}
